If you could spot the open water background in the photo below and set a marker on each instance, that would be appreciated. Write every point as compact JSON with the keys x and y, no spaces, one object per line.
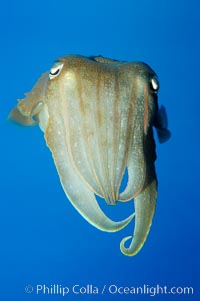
{"x":43,"y":240}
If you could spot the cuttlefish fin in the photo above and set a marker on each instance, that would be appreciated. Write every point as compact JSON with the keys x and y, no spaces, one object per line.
{"x":16,"y":116}
{"x":25,"y":113}
{"x":161,"y":125}
{"x":144,"y":211}
{"x":80,"y":196}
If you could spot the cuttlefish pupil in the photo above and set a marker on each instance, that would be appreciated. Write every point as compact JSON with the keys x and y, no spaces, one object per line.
{"x":97,"y":115}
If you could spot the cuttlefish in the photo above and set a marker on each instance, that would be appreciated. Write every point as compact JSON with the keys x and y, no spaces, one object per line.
{"x":97,"y":115}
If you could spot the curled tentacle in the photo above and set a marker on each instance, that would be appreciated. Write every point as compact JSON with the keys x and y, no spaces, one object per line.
{"x":144,"y":211}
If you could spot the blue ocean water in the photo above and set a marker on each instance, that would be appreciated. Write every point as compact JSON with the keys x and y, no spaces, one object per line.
{"x":45,"y":243}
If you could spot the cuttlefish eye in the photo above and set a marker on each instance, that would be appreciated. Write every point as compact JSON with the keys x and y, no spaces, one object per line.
{"x":55,"y":70}
{"x":154,"y":84}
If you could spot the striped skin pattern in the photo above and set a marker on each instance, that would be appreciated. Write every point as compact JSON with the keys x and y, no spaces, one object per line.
{"x":97,"y":116}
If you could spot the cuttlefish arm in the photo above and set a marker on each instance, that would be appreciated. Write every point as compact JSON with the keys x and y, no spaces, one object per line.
{"x":144,"y":211}
{"x":144,"y":202}
{"x":81,"y":197}
{"x":34,"y":110}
